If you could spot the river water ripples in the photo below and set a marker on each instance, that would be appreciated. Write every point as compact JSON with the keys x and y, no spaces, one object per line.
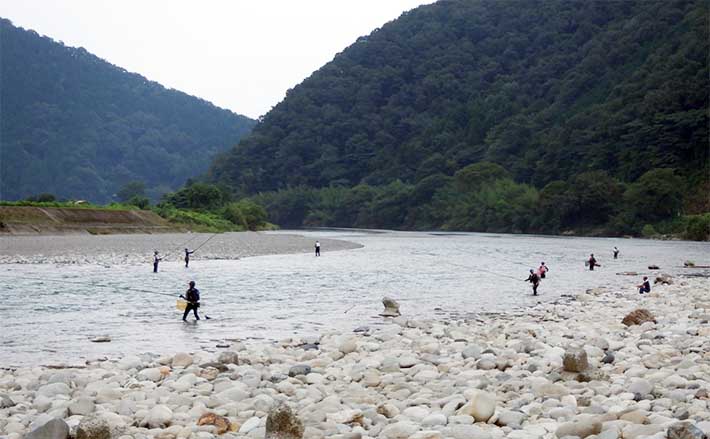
{"x":50,"y":312}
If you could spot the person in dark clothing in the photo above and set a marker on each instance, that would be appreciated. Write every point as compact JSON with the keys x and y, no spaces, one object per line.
{"x":317,"y":248}
{"x":616,"y":253}
{"x":156,"y":259}
{"x":542,"y":270}
{"x":187,"y":257}
{"x":534,"y":279}
{"x":645,"y":286}
{"x":192,"y":296}
{"x":592,"y":262}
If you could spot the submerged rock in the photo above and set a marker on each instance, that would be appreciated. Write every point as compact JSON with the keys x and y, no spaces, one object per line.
{"x":101,"y":339}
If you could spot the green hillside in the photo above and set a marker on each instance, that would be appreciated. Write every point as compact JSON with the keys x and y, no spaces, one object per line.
{"x":575,"y":100}
{"x":74,"y":125}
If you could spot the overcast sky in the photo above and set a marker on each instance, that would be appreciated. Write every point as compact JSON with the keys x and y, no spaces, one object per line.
{"x":238,"y":54}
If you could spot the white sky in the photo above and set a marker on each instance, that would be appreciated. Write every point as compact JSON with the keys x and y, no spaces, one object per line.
{"x":239,"y":54}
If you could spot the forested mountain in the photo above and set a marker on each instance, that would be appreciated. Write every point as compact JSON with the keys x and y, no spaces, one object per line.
{"x":564,"y":95}
{"x":74,"y":125}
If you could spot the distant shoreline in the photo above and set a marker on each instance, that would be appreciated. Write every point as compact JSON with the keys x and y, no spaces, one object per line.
{"x":138,"y":248}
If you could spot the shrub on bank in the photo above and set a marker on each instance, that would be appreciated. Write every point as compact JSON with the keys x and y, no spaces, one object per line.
{"x":199,"y":221}
{"x":697,"y":227}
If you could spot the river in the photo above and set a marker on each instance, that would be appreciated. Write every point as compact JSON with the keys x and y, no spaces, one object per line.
{"x":51,"y":311}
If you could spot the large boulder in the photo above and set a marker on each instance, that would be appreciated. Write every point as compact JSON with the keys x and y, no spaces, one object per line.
{"x":575,"y":360}
{"x":481,"y":406}
{"x":93,"y":427}
{"x":391,"y":308}
{"x":54,"y":429}
{"x":685,"y":430}
{"x":282,"y":423}
{"x":638,"y":316}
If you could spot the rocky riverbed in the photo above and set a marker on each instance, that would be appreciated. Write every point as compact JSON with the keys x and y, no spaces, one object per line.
{"x":566,"y":370}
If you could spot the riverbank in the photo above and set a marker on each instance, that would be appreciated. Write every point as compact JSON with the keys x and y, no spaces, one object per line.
{"x":138,"y":248}
{"x":31,"y":220}
{"x":519,"y":376}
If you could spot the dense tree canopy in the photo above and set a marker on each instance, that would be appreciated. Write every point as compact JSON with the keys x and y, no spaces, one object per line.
{"x":568,"y":101}
{"x":79,"y":127}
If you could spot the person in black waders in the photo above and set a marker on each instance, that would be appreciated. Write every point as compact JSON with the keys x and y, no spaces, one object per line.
{"x":192,"y":296}
{"x":616,"y":253}
{"x":592,"y":262}
{"x":534,"y":279}
{"x":645,"y":286}
{"x":187,"y":257}
{"x":156,"y":259}
{"x":317,"y":248}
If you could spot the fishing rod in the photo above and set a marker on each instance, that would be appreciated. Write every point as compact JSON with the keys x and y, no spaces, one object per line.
{"x":208,"y":240}
{"x":65,"y":281}
{"x":182,"y":246}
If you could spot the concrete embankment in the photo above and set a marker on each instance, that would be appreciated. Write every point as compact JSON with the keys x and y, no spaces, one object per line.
{"x":26,"y":220}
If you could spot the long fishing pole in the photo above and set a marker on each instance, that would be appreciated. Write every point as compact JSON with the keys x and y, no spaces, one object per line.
{"x":208,"y":240}
{"x":93,"y":285}
{"x":182,"y":246}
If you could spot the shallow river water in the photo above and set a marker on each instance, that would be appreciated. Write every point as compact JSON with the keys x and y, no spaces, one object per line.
{"x":50,"y":312}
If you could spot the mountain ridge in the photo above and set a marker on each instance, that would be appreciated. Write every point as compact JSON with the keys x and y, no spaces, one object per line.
{"x":67,"y":109}
{"x":539,"y":116}
{"x":384,"y":101}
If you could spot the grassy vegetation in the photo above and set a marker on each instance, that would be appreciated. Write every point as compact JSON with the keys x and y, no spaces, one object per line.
{"x":197,"y":221}
{"x":69,"y":205}
{"x":222,"y":220}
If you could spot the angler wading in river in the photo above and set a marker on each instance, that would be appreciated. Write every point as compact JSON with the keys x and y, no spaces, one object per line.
{"x":156,"y":260}
{"x":187,"y":256}
{"x":192,"y":296}
{"x":534,"y":279}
